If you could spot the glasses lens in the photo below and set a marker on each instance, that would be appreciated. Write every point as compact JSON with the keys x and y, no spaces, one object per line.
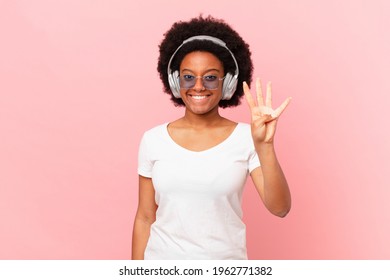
{"x":210,"y":82}
{"x":189,"y":81}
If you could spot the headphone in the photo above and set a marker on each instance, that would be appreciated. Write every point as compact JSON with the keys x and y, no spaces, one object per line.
{"x":229,"y":83}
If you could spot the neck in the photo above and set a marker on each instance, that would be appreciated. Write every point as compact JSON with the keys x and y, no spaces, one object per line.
{"x":204,"y":120}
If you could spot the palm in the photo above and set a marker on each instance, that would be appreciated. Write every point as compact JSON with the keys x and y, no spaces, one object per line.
{"x":264,"y":118}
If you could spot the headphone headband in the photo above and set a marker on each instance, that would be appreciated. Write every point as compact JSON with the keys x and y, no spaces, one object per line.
{"x":227,"y":94}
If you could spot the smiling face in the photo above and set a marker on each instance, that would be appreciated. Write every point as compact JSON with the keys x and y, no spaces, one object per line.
{"x":198,"y":99}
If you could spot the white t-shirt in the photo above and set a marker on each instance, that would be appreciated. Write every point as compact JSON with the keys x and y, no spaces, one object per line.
{"x":198,"y":194}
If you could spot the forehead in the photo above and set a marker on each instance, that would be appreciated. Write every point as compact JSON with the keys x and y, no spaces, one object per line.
{"x":201,"y":60}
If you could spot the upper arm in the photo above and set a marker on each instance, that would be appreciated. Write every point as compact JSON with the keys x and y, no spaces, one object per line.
{"x":147,"y":206}
{"x":258,"y":181}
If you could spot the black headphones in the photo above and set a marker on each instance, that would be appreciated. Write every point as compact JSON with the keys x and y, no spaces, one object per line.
{"x":229,"y":83}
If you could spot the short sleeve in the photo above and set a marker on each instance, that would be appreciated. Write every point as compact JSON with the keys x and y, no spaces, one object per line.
{"x":144,"y":162}
{"x":253,"y":161}
{"x":251,"y":155}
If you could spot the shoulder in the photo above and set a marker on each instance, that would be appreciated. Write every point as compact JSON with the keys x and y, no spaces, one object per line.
{"x":244,"y":134}
{"x":156,"y":131}
{"x":244,"y":128}
{"x":154,"y":135}
{"x":153,"y":139}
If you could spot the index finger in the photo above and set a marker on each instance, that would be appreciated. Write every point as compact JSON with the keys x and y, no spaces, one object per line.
{"x":248,"y":96}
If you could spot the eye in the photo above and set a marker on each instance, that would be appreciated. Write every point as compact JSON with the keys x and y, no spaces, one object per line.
{"x":187,"y":77}
{"x":210,"y":78}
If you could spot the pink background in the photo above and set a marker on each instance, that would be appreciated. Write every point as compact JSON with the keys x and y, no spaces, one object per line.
{"x":79,"y":86}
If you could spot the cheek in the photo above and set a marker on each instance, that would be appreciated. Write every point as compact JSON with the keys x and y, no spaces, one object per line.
{"x":219,"y":93}
{"x":183,"y":92}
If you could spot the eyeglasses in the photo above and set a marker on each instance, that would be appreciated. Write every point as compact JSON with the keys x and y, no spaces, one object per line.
{"x":209,"y":81}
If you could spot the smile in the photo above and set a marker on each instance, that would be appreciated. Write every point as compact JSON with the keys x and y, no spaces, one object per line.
{"x":199,"y":97}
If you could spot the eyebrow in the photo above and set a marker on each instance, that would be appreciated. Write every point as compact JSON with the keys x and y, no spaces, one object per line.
{"x":208,"y":70}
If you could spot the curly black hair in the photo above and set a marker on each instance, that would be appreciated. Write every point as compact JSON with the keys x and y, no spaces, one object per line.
{"x":210,"y":26}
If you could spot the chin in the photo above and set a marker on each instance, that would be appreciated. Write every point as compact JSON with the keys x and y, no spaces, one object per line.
{"x":202,"y":111}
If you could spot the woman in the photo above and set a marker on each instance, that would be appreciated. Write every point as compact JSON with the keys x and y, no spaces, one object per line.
{"x":192,"y":170}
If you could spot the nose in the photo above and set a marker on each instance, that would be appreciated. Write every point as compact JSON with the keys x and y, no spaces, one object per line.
{"x":199,"y":84}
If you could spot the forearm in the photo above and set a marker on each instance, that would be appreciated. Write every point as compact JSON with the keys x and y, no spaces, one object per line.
{"x":276,"y":193}
{"x":141,"y":233}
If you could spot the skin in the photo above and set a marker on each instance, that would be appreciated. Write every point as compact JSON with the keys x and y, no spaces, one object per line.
{"x":202,"y":127}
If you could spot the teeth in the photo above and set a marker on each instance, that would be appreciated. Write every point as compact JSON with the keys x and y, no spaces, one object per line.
{"x":199,"y":97}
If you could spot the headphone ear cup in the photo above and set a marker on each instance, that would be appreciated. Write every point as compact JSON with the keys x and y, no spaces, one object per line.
{"x":174,"y":83}
{"x":229,"y":86}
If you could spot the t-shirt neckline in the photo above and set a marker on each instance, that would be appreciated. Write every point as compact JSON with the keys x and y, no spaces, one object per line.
{"x":213,"y":148}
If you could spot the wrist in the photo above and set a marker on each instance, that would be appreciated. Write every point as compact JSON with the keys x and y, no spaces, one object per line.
{"x":264,"y":147}
{"x":265,"y":151}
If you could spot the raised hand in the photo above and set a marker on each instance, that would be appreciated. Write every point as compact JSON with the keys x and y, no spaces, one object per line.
{"x":264,"y":118}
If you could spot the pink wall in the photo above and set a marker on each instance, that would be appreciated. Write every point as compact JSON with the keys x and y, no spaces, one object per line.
{"x":78,"y":86}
